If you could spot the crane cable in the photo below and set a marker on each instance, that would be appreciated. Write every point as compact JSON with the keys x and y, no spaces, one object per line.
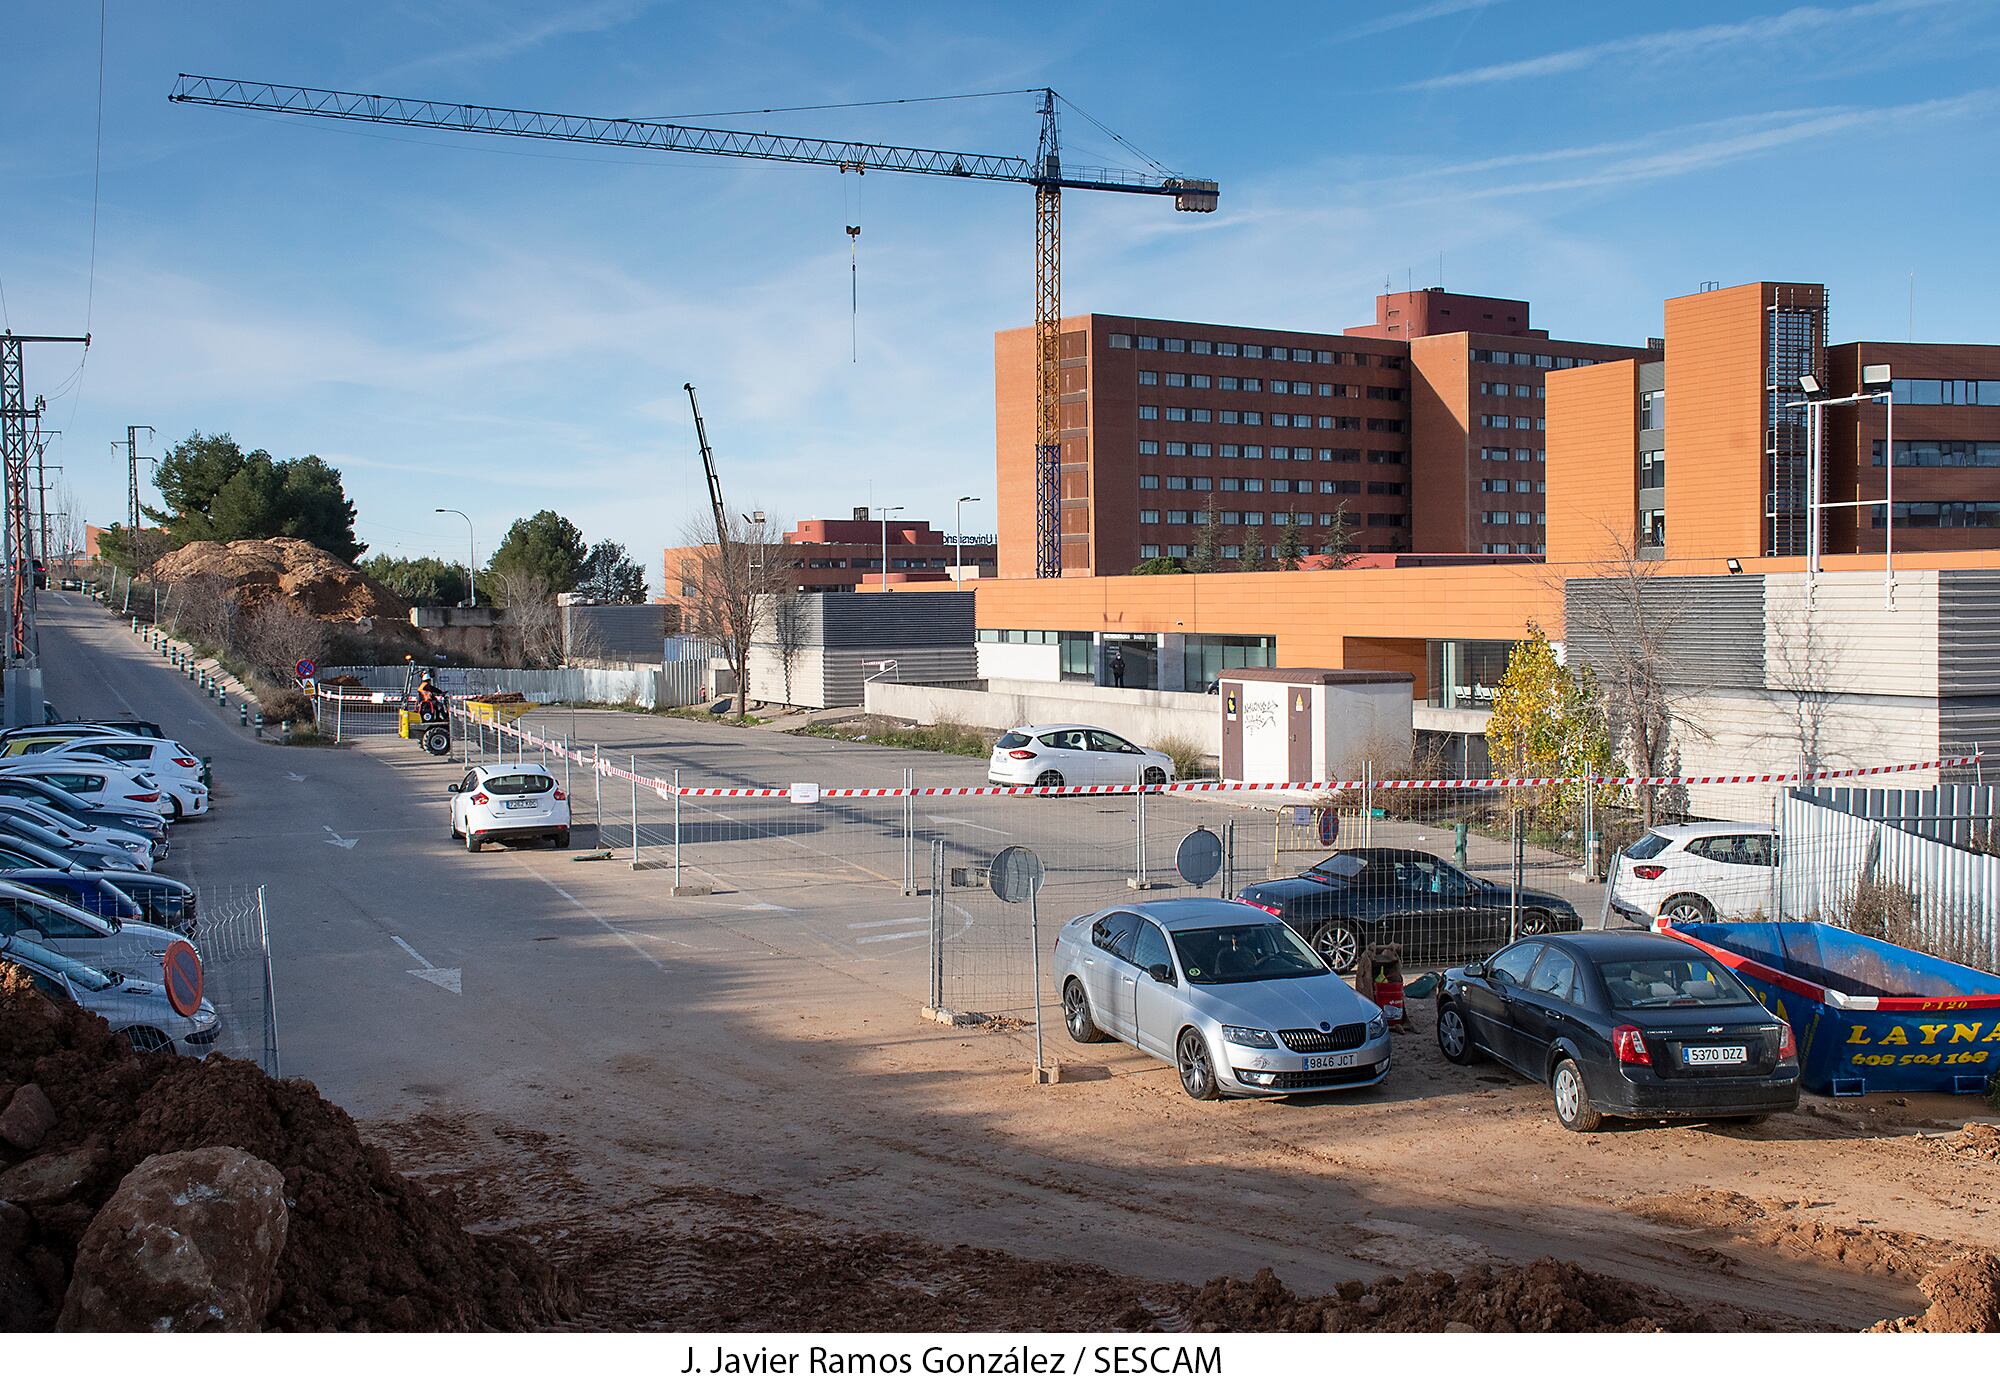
{"x":851,"y":204}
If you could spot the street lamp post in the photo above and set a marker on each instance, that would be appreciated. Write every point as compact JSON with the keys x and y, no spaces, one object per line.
{"x":1880,"y":377}
{"x":885,"y":545}
{"x":958,"y":554}
{"x":471,"y":560}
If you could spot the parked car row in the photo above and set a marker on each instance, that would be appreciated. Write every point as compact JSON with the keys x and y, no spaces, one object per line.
{"x":1619,"y":1023}
{"x":85,"y":816}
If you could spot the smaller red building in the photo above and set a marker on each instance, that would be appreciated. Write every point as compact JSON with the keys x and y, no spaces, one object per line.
{"x":847,"y":553}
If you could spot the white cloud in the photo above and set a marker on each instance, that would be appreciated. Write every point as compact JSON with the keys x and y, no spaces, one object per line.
{"x":1416,"y":14}
{"x":567,"y":20}
{"x":1669,"y":44}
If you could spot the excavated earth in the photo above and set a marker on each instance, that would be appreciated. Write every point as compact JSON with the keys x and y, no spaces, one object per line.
{"x":318,"y":584}
{"x":442,"y":1221}
{"x":367,"y":1248}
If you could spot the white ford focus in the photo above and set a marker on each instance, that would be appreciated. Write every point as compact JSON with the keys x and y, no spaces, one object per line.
{"x":508,"y":803}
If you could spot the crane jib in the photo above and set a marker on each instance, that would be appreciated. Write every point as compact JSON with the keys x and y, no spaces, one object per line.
{"x":1047,"y":174}
{"x":1196,"y":195}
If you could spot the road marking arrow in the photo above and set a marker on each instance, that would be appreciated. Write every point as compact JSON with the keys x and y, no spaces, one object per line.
{"x":450,"y":978}
{"x":335,"y":839}
{"x":891,"y":938}
{"x":295,"y":778}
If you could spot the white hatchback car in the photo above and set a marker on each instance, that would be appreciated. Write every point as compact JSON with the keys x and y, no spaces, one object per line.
{"x":508,"y":803}
{"x":1054,"y":756}
{"x":102,"y":783}
{"x":175,"y":768}
{"x":1697,"y":873}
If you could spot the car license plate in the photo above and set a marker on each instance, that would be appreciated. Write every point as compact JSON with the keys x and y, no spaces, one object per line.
{"x":1316,"y":1062}
{"x":520,"y":802}
{"x":1715,"y":1054}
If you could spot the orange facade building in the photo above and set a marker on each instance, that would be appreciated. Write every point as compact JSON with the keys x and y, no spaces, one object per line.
{"x":1425,"y":427}
{"x":1705,"y":456}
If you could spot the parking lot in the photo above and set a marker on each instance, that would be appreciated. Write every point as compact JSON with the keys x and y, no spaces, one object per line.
{"x":577,"y":1052}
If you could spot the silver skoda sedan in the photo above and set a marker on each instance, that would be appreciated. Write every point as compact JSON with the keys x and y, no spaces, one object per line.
{"x":1236,"y":1001}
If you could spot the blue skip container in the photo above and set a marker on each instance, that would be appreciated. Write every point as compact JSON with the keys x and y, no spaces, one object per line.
{"x":1869,"y":1017}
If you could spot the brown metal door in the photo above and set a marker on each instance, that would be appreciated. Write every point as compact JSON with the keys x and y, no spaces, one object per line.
{"x":1298,"y":734}
{"x":1232,"y":730}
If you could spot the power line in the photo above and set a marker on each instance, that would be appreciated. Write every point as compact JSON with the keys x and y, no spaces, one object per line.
{"x":75,"y":381}
{"x":96,"y":174}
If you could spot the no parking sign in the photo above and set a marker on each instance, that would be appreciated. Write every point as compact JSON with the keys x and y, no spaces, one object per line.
{"x":1329,"y":827}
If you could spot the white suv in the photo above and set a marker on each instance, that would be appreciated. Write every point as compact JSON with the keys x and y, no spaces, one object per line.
{"x":508,"y":803}
{"x":1697,"y":873}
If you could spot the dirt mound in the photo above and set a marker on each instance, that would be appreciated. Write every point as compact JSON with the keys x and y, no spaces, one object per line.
{"x":1545,"y":1295}
{"x":1864,"y":1247}
{"x":1975,"y":1141}
{"x":1964,"y":1296}
{"x":367,"y":1249}
{"x":256,"y":572}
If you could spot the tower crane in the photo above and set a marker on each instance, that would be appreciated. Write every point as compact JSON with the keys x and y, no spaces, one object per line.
{"x":1045,"y":173}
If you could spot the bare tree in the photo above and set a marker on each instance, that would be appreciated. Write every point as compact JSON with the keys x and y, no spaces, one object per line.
{"x":65,"y":539}
{"x":788,"y":624}
{"x":277,"y":635}
{"x":1619,"y":620}
{"x":532,"y":614}
{"x":732,"y":586}
{"x":1801,"y":664}
{"x":205,"y":612}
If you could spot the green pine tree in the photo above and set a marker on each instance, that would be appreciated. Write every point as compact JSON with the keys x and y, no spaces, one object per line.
{"x":1207,"y":553}
{"x":1338,"y":543}
{"x":1255,"y":558}
{"x":1291,"y":545}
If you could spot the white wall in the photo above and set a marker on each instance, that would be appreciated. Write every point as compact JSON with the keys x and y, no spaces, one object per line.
{"x":1363,"y":723}
{"x":1142,"y":716}
{"x":1027,"y":662}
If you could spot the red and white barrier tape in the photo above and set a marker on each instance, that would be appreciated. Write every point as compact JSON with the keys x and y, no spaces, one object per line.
{"x":1210,"y":785}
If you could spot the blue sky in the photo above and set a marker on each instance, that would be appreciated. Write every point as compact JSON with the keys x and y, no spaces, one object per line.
{"x":503,"y":327}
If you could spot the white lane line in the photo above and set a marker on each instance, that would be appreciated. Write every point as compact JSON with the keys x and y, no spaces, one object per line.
{"x":606,"y":924}
{"x":888,"y":923}
{"x":890,"y":938}
{"x":968,"y":822}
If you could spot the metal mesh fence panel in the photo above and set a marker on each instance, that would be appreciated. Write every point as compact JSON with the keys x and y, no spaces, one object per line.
{"x":1447,"y":870}
{"x":231,"y":936}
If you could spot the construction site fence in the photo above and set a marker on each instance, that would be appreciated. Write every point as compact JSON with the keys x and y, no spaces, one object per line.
{"x":637,"y":686}
{"x":1500,"y":857}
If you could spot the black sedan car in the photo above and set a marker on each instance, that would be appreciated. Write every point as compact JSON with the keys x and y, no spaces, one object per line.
{"x":1383,"y":895}
{"x":1622,"y":1024}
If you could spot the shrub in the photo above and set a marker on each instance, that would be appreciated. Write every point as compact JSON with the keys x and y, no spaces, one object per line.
{"x":1190,"y":760}
{"x":943,"y":737}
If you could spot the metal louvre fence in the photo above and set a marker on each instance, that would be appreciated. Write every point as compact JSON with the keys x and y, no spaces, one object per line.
{"x":639,"y":686}
{"x":1871,"y":874}
{"x":1450,"y":868}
